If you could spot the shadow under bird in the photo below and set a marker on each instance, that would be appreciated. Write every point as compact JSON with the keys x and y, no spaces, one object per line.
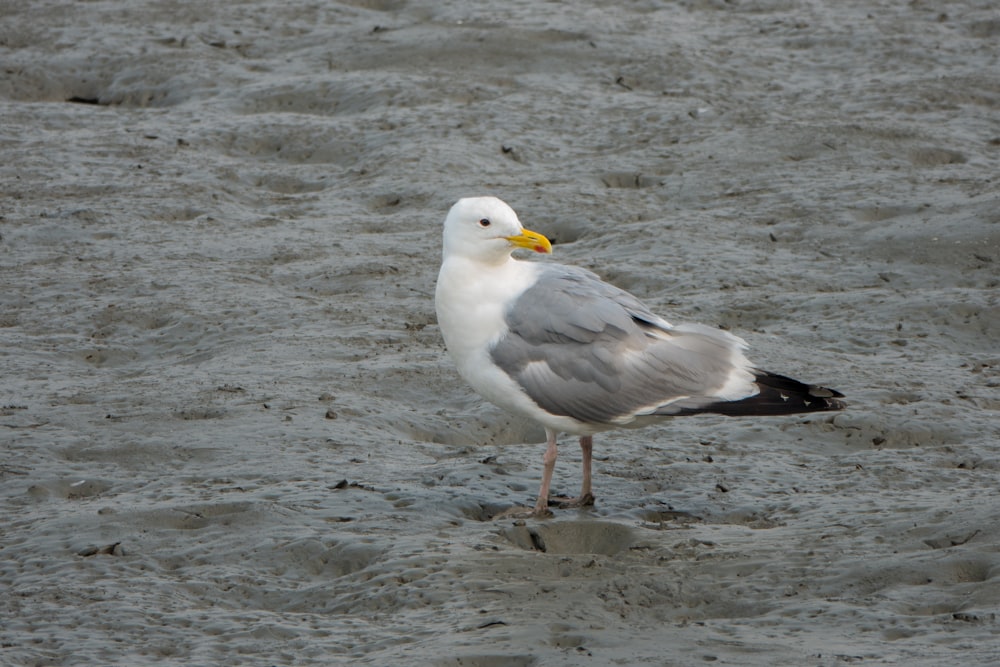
{"x":556,"y":344}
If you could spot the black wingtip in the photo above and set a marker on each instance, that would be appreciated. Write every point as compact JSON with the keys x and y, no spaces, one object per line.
{"x":780,"y":395}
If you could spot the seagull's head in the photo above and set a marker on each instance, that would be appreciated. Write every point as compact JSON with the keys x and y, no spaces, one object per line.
{"x":486,"y":229}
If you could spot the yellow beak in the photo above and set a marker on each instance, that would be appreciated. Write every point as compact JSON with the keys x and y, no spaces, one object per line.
{"x":532,"y":241}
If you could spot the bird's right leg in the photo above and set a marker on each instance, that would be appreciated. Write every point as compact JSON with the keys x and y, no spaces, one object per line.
{"x":551,"y":452}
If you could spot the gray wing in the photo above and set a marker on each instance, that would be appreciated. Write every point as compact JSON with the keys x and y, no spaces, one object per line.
{"x":585,"y":349}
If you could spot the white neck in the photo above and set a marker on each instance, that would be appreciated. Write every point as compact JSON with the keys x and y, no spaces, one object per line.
{"x":469,"y":300}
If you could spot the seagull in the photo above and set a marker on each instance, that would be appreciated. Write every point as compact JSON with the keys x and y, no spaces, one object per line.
{"x":558,"y":345}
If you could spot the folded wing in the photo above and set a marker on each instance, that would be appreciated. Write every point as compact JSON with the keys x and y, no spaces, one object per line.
{"x":585,"y":349}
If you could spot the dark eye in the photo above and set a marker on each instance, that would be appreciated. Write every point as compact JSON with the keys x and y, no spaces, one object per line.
{"x":485,"y":222}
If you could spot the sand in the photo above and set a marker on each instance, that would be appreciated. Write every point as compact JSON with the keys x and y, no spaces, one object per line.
{"x":230,"y":433}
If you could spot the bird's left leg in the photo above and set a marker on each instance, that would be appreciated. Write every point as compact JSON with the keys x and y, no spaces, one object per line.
{"x":586,"y":497}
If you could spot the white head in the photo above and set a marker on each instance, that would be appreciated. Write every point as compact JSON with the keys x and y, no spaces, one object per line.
{"x":487,"y":230}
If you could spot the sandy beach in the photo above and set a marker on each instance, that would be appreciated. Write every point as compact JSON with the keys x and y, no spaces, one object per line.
{"x":230,"y":433}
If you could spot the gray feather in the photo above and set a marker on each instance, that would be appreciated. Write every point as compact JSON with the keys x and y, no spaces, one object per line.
{"x":582,"y":348}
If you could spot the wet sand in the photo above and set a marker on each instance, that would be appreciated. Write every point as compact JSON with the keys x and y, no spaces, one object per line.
{"x":230,"y":431}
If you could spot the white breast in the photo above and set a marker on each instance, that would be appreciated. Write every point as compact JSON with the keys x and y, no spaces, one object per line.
{"x":471,"y":300}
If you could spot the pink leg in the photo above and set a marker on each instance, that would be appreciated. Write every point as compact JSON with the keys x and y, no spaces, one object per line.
{"x":542,"y":505}
{"x":587,"y":447}
{"x":586,"y":497}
